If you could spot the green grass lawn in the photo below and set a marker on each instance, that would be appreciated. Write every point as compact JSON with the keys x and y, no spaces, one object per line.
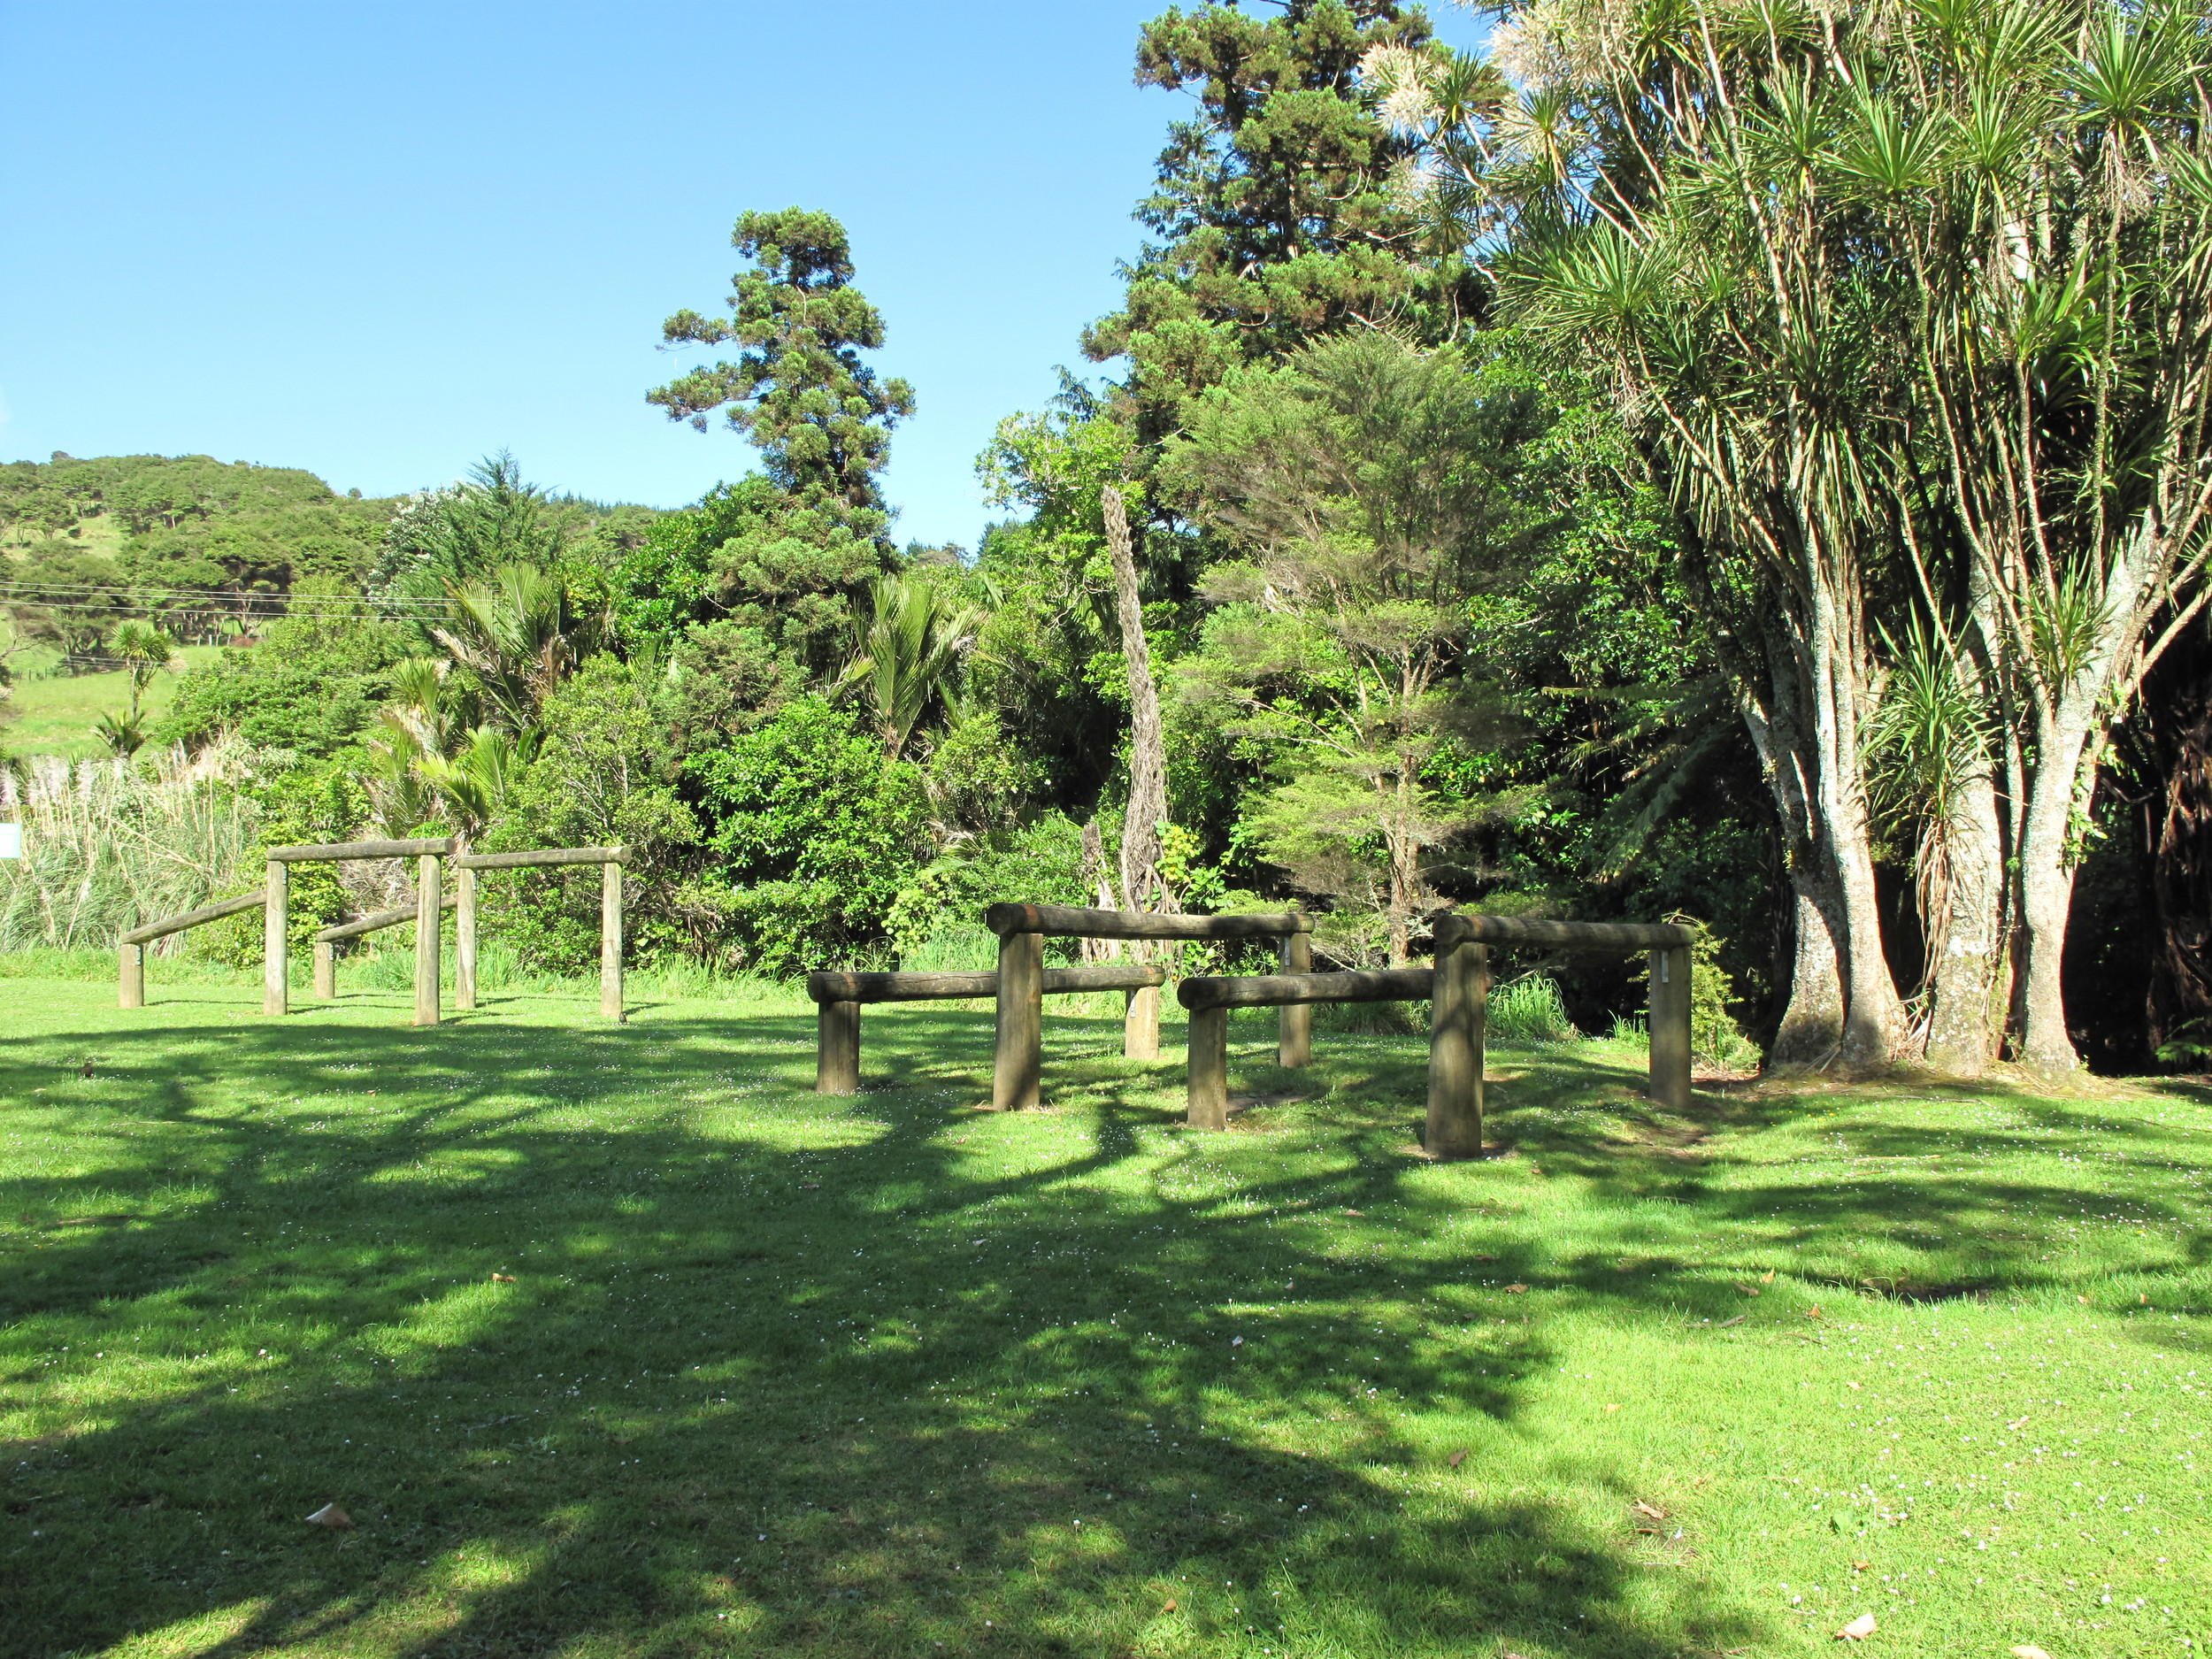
{"x":616,"y":1340}
{"x":57,"y":714}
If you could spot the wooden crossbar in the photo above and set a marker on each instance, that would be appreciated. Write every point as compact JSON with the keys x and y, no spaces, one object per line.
{"x":429,"y":846}
{"x":214,"y":912}
{"x":925,"y":987}
{"x":542,"y":858}
{"x":1456,"y":927}
{"x":1281,"y":990}
{"x":1069,"y":921}
{"x":376,"y":920}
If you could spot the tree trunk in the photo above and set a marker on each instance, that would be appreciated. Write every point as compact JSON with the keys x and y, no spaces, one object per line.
{"x":1967,"y":1018}
{"x":2047,"y":895}
{"x":1142,"y":886}
{"x":1811,"y":1032}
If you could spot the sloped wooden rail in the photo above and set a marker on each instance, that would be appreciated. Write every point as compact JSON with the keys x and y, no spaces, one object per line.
{"x":840,"y":996}
{"x":327,"y":939}
{"x":1017,"y":1059}
{"x":131,"y":988}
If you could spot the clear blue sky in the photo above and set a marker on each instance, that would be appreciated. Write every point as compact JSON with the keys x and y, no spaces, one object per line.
{"x":379,"y":241}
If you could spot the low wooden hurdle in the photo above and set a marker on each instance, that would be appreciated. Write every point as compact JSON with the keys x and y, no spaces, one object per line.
{"x":1457,"y":988}
{"x":1017,"y":1065}
{"x":611,"y":860}
{"x":131,"y":988}
{"x":837,"y":1021}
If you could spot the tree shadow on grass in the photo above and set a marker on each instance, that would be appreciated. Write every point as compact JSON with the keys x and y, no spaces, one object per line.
{"x":844,"y":1383}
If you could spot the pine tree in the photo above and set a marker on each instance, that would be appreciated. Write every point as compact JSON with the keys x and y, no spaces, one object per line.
{"x":1277,"y":213}
{"x":798,"y":389}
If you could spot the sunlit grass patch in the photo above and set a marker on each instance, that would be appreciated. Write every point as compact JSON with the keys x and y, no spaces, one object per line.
{"x":618,"y":1341}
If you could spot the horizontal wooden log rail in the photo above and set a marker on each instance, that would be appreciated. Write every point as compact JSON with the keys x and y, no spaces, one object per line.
{"x":429,"y":846}
{"x":214,"y":912}
{"x":842,"y":996}
{"x":130,"y":991}
{"x":1623,"y":937}
{"x":1282,"y":990}
{"x":1069,"y":921}
{"x":926,"y":988}
{"x":542,"y":858}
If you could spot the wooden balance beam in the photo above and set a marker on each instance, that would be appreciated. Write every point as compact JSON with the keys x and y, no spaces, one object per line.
{"x":1018,"y":1066}
{"x":837,"y":1025}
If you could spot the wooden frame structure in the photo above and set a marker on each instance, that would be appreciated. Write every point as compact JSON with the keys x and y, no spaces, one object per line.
{"x":837,"y":1021}
{"x":1018,"y":1061}
{"x":611,"y":862}
{"x":428,"y":852}
{"x":1458,"y":990}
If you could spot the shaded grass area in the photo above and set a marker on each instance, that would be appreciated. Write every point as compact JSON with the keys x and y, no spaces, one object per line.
{"x":616,"y":1340}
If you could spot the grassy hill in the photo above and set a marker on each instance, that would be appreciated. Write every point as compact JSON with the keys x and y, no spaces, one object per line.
{"x":56,"y":714}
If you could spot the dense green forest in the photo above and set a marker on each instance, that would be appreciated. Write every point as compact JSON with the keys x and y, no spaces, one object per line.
{"x":1760,"y":478}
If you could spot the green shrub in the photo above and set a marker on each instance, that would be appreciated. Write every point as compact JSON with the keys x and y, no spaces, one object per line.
{"x":1529,"y":1009}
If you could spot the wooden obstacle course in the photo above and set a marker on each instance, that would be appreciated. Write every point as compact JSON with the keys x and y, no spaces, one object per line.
{"x":840,"y":996}
{"x":1457,"y":990}
{"x":131,"y":990}
{"x":1017,"y":1059}
{"x":610,"y":861}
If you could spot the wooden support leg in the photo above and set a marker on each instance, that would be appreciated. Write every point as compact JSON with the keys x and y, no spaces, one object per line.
{"x":325,"y":968}
{"x":1293,"y":1021}
{"x":428,"y":917}
{"x":1018,"y":1061}
{"x":131,"y":984}
{"x":1670,"y":1028}
{"x":1458,"y":1009}
{"x":611,"y":941}
{"x":1209,"y":1061}
{"x":1141,"y":1025}
{"x":837,"y":1048}
{"x":465,"y":937}
{"x":276,"y":970}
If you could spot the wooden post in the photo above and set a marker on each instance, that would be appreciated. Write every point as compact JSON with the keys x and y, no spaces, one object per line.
{"x":465,"y":937}
{"x":1017,"y":1059}
{"x":1458,"y":1009}
{"x":1670,"y":1022}
{"x":131,"y":987}
{"x":276,"y":971}
{"x":837,"y":1048}
{"x":1294,"y":1022}
{"x":1141,"y":1023}
{"x":610,"y":942}
{"x":428,"y":914}
{"x":1208,"y":1061}
{"x":325,"y":968}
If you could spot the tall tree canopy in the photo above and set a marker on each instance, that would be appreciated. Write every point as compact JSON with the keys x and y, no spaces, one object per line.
{"x":1277,"y":212}
{"x":798,"y":388}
